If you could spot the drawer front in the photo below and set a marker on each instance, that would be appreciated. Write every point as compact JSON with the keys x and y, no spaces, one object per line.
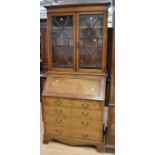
{"x":56,"y":110}
{"x":58,"y":102}
{"x":57,"y":130}
{"x":57,"y":120}
{"x":88,"y":114}
{"x":86,"y":124}
{"x":87,"y":135}
{"x":86,"y":104}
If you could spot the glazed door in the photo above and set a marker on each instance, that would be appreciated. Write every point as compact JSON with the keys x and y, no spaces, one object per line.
{"x":62,"y":47}
{"x":91,"y":45}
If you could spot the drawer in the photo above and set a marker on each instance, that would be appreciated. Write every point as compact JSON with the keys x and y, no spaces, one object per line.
{"x":58,"y":102}
{"x":88,"y":114}
{"x":56,"y":110}
{"x":87,"y":135}
{"x":87,"y":124}
{"x":57,"y":130}
{"x":57,"y":120}
{"x":86,"y":104}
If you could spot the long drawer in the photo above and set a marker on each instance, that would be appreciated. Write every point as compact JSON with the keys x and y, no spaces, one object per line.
{"x":74,"y":133}
{"x":56,"y":110}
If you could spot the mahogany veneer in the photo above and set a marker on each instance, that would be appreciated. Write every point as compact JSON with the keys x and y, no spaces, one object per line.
{"x":73,"y":109}
{"x":74,"y":92}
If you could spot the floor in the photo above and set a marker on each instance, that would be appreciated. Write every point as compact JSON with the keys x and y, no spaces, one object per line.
{"x":55,"y":148}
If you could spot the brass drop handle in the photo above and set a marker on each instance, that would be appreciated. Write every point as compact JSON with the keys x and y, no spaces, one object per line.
{"x":58,"y":120}
{"x":84,"y":135}
{"x":58,"y":111}
{"x":57,"y":102}
{"x":85,"y":105}
{"x":84,"y":123}
{"x":85,"y":114}
{"x":58,"y":131}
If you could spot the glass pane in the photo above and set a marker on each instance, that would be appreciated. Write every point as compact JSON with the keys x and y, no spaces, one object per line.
{"x":90,"y":41}
{"x":62,"y":41}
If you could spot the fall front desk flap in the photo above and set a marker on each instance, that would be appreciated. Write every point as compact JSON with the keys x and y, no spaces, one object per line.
{"x":75,"y":86}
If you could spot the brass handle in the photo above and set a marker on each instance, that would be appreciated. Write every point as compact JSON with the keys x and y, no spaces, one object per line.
{"x":58,"y":111}
{"x":57,"y":102}
{"x":85,"y":114}
{"x":84,"y":135}
{"x":58,"y":131}
{"x":85,"y":105}
{"x":84,"y":123}
{"x":58,"y":121}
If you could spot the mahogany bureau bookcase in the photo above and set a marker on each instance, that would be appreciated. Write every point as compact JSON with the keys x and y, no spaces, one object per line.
{"x":74,"y":92}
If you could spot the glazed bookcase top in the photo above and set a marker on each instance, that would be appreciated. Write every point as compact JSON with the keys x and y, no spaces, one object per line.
{"x":77,"y":38}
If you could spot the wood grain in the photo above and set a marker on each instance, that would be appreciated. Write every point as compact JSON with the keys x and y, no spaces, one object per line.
{"x":59,"y":120}
{"x":77,"y":86}
{"x":111,"y":126}
{"x":84,"y":104}
{"x":77,"y":123}
{"x":87,"y":114}
{"x":72,"y":117}
{"x":58,"y":102}
{"x":56,"y":110}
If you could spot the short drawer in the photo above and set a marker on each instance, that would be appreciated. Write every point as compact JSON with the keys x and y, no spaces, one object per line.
{"x":56,"y":110}
{"x":86,"y":124}
{"x":87,"y":114}
{"x":58,"y":102}
{"x":87,"y":135}
{"x":57,"y":130}
{"x":86,"y":104}
{"x":57,"y":120}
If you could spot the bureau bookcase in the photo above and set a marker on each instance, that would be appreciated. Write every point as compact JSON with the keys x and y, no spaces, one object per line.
{"x":74,"y":92}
